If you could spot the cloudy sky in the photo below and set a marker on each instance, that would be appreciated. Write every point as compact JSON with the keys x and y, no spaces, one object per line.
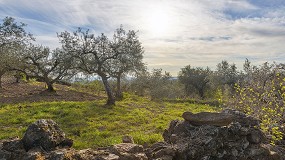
{"x":174,"y":33}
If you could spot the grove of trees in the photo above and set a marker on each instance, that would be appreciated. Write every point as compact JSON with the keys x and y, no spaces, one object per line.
{"x":81,"y":52}
{"x":106,"y":58}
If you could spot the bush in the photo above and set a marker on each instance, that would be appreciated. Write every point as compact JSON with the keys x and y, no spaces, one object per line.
{"x":262,"y":95}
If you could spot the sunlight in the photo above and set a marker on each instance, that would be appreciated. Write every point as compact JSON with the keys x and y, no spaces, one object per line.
{"x":157,"y":20}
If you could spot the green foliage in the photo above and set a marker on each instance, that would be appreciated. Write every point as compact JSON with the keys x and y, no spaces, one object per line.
{"x":13,"y":38}
{"x":157,"y":85}
{"x":92,"y":124}
{"x":93,"y":87}
{"x":261,"y":94}
{"x":195,"y":80}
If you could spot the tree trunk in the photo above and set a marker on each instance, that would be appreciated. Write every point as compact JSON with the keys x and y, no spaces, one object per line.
{"x":1,"y":80}
{"x":119,"y":94}
{"x":111,"y":99}
{"x":201,"y":93}
{"x":50,"y":87}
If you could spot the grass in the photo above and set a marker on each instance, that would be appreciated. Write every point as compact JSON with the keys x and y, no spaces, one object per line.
{"x":92,"y":124}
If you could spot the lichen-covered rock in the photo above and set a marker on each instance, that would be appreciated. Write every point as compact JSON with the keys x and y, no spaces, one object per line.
{"x":199,"y":139}
{"x":242,"y":119}
{"x":45,"y":134}
{"x":128,"y":151}
{"x":208,"y":118}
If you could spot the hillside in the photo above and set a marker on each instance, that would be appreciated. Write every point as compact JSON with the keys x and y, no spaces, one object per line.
{"x":34,"y":91}
{"x":85,"y":118}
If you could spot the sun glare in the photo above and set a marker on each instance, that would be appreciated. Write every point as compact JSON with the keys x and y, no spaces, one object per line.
{"x":157,"y":20}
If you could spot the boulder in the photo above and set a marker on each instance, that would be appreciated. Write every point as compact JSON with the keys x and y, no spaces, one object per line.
{"x":208,"y":118}
{"x":226,"y":135}
{"x":243,"y":119}
{"x":127,"y":151}
{"x":45,"y":134}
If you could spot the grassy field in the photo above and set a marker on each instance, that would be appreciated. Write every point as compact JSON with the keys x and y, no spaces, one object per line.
{"x":91,"y":124}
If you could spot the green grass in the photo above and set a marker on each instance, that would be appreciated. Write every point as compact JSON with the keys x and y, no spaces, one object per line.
{"x":92,"y":124}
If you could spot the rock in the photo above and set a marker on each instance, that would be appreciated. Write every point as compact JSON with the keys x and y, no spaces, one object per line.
{"x":4,"y":155}
{"x":45,"y":134}
{"x":208,"y":118}
{"x":13,"y":145}
{"x":128,"y":151}
{"x":127,"y":139}
{"x":127,"y":148}
{"x":228,"y":136}
{"x":161,"y":150}
{"x":256,"y":136}
{"x":242,"y":118}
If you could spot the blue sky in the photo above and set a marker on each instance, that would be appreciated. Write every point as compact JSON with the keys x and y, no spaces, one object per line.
{"x":174,"y":33}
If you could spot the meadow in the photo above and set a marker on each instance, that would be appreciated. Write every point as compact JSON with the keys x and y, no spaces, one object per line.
{"x":92,"y":124}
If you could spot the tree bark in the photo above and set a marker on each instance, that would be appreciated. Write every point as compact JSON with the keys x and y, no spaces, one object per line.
{"x":50,"y":87}
{"x":119,"y":94}
{"x":201,"y":93}
{"x":111,"y":99}
{"x":1,"y":81}
{"x":1,"y":74}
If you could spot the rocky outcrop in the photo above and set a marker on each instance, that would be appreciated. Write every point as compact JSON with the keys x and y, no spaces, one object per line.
{"x":229,"y":135}
{"x":208,"y":118}
{"x":45,"y":140}
{"x":45,"y":134}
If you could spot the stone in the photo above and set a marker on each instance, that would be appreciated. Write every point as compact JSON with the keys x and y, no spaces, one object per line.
{"x":208,"y":118}
{"x":13,"y":145}
{"x":256,"y":136}
{"x":127,"y":139}
{"x":126,"y":148}
{"x":242,"y":118}
{"x":44,"y":133}
{"x":128,"y":151}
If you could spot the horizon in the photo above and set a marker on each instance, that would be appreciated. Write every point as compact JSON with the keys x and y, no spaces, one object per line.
{"x":173,"y":34}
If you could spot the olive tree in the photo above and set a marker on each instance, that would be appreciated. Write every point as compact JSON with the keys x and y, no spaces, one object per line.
{"x":130,"y":59}
{"x":157,"y":85}
{"x":46,"y":65}
{"x":12,"y":39}
{"x":93,"y":55}
{"x":195,"y":79}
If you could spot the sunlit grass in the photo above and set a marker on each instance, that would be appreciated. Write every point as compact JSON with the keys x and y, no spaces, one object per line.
{"x":92,"y":124}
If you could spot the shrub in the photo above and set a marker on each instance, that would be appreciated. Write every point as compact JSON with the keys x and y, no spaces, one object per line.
{"x":262,"y":95}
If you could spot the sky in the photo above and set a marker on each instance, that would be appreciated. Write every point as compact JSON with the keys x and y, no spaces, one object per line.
{"x":174,"y":33}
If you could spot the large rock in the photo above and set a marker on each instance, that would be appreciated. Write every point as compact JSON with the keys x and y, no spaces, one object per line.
{"x":243,"y":119}
{"x":129,"y":151}
{"x":44,"y":134}
{"x":229,"y":136}
{"x":208,"y":118}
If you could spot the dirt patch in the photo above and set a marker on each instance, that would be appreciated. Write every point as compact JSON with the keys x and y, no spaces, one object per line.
{"x":13,"y":92}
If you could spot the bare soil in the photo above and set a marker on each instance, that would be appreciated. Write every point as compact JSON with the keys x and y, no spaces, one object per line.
{"x":13,"y":92}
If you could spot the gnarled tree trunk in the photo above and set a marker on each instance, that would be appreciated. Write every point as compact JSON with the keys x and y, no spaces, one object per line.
{"x":1,"y":75}
{"x":50,"y":87}
{"x":111,"y":99}
{"x":119,"y":94}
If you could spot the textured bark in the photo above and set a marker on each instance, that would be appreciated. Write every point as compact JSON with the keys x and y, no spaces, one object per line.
{"x":1,"y":74}
{"x":111,"y":99}
{"x":119,"y":94}
{"x":50,"y":87}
